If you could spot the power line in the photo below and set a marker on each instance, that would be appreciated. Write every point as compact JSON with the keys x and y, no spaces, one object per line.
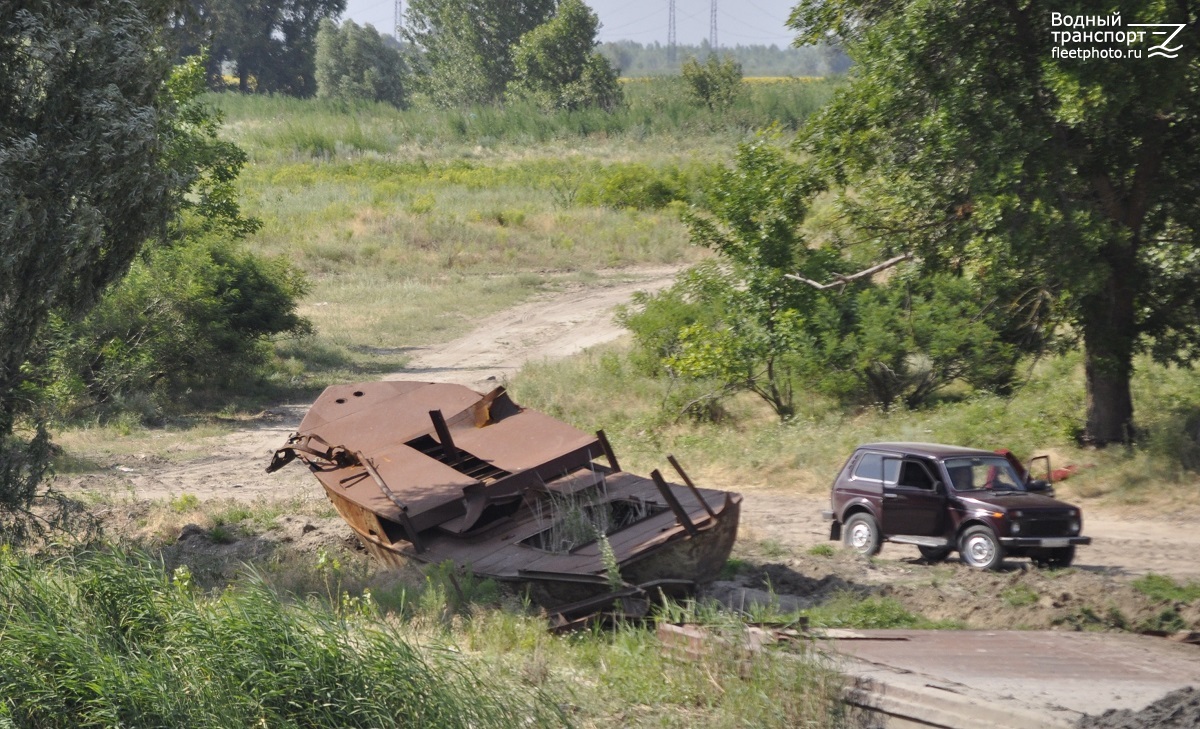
{"x":610,"y":29}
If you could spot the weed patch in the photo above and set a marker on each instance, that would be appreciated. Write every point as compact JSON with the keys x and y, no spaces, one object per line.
{"x":1019,"y":596}
{"x":1165,"y":589}
{"x":108,"y":638}
{"x":853,"y":611}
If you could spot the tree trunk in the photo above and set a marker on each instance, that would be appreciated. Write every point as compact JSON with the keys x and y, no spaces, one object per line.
{"x":1109,"y":335}
{"x":1109,"y":402}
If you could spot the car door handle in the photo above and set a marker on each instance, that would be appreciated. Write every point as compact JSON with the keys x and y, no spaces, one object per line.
{"x":891,"y":496}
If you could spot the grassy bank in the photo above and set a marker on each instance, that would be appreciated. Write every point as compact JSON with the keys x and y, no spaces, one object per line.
{"x":107,"y":639}
{"x":748,"y":448}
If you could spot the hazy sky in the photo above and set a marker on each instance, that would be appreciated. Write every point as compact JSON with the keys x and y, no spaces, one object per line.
{"x":739,"y":22}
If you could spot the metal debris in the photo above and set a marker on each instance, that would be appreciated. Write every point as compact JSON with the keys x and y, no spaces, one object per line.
{"x":437,"y":472}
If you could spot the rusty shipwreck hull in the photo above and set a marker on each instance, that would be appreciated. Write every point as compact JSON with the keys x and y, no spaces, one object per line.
{"x":435,"y":472}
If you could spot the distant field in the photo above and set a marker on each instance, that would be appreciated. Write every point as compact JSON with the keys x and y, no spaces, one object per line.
{"x":412,"y":224}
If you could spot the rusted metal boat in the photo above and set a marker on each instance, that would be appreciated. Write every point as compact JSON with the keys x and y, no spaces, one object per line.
{"x":434,"y":472}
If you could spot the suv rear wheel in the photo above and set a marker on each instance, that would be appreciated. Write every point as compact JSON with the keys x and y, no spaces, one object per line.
{"x":980,"y":548}
{"x":861,"y":534}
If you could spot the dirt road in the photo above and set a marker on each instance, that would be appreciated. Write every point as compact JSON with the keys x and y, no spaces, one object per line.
{"x":553,"y":326}
{"x":1121,"y":547}
{"x":549,"y":327}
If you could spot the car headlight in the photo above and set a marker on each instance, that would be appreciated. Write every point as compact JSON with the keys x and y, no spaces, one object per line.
{"x":1074,"y":526}
{"x":1016,"y":527}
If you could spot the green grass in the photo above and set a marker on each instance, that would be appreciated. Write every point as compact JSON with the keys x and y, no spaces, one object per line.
{"x":869,"y":613}
{"x":656,"y":108}
{"x":1165,"y":589}
{"x":1019,"y":596}
{"x":749,"y":448}
{"x":110,"y":638}
{"x":412,"y":225}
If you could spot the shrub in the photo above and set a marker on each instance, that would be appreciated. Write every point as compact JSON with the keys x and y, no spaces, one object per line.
{"x":557,"y":67}
{"x":195,"y":315}
{"x":715,"y":83}
{"x":636,"y":186}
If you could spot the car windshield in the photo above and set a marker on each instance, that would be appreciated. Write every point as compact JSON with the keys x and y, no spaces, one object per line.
{"x":983,"y":472}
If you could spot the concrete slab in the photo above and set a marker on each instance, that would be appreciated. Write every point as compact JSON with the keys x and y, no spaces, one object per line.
{"x":1006,"y":678}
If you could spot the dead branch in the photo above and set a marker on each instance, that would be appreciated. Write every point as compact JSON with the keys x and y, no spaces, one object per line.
{"x":842,"y":280}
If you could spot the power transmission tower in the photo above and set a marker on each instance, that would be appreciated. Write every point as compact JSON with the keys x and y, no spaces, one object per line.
{"x":712,"y":28}
{"x":671,"y":31}
{"x":399,"y":18}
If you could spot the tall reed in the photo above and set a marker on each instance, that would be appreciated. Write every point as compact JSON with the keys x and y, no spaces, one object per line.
{"x":109,"y":639}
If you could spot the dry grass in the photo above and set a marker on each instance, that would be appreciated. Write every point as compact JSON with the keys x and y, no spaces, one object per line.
{"x":750,"y":449}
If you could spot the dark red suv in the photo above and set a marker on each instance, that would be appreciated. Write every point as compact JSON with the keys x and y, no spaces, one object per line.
{"x":944,"y":498}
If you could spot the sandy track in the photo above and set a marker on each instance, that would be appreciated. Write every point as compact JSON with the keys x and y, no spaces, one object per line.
{"x":550,"y":326}
{"x":1120,"y":547}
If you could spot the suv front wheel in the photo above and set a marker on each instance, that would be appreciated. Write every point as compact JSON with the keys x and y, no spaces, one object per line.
{"x":980,"y":548}
{"x":861,"y":534}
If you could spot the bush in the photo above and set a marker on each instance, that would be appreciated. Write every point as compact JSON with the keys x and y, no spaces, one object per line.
{"x":715,"y":83}
{"x":639,"y":187}
{"x":195,"y":315}
{"x":747,"y":324}
{"x":916,"y":335}
{"x":557,"y":67}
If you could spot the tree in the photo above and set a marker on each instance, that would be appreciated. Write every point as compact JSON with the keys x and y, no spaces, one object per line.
{"x":714,"y":83}
{"x":556,"y":64}
{"x":1069,"y":185}
{"x":463,"y":48}
{"x":750,"y":325}
{"x":353,"y":62}
{"x":740,"y":323}
{"x":271,"y":43}
{"x":85,"y":131}
{"x":195,"y":310}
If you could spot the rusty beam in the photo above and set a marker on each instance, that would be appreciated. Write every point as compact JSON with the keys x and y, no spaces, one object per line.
{"x":680,"y":515}
{"x":695,"y":491}
{"x":449,"y":450}
{"x":609,"y":453}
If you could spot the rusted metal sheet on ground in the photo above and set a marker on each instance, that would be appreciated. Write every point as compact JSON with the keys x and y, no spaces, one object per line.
{"x":436,"y":472}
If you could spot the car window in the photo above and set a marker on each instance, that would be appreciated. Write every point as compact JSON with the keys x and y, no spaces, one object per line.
{"x":983,"y":472}
{"x":871,"y":468}
{"x":915,"y":475}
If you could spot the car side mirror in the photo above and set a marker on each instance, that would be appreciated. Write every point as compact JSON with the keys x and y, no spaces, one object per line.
{"x":1038,"y":485}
